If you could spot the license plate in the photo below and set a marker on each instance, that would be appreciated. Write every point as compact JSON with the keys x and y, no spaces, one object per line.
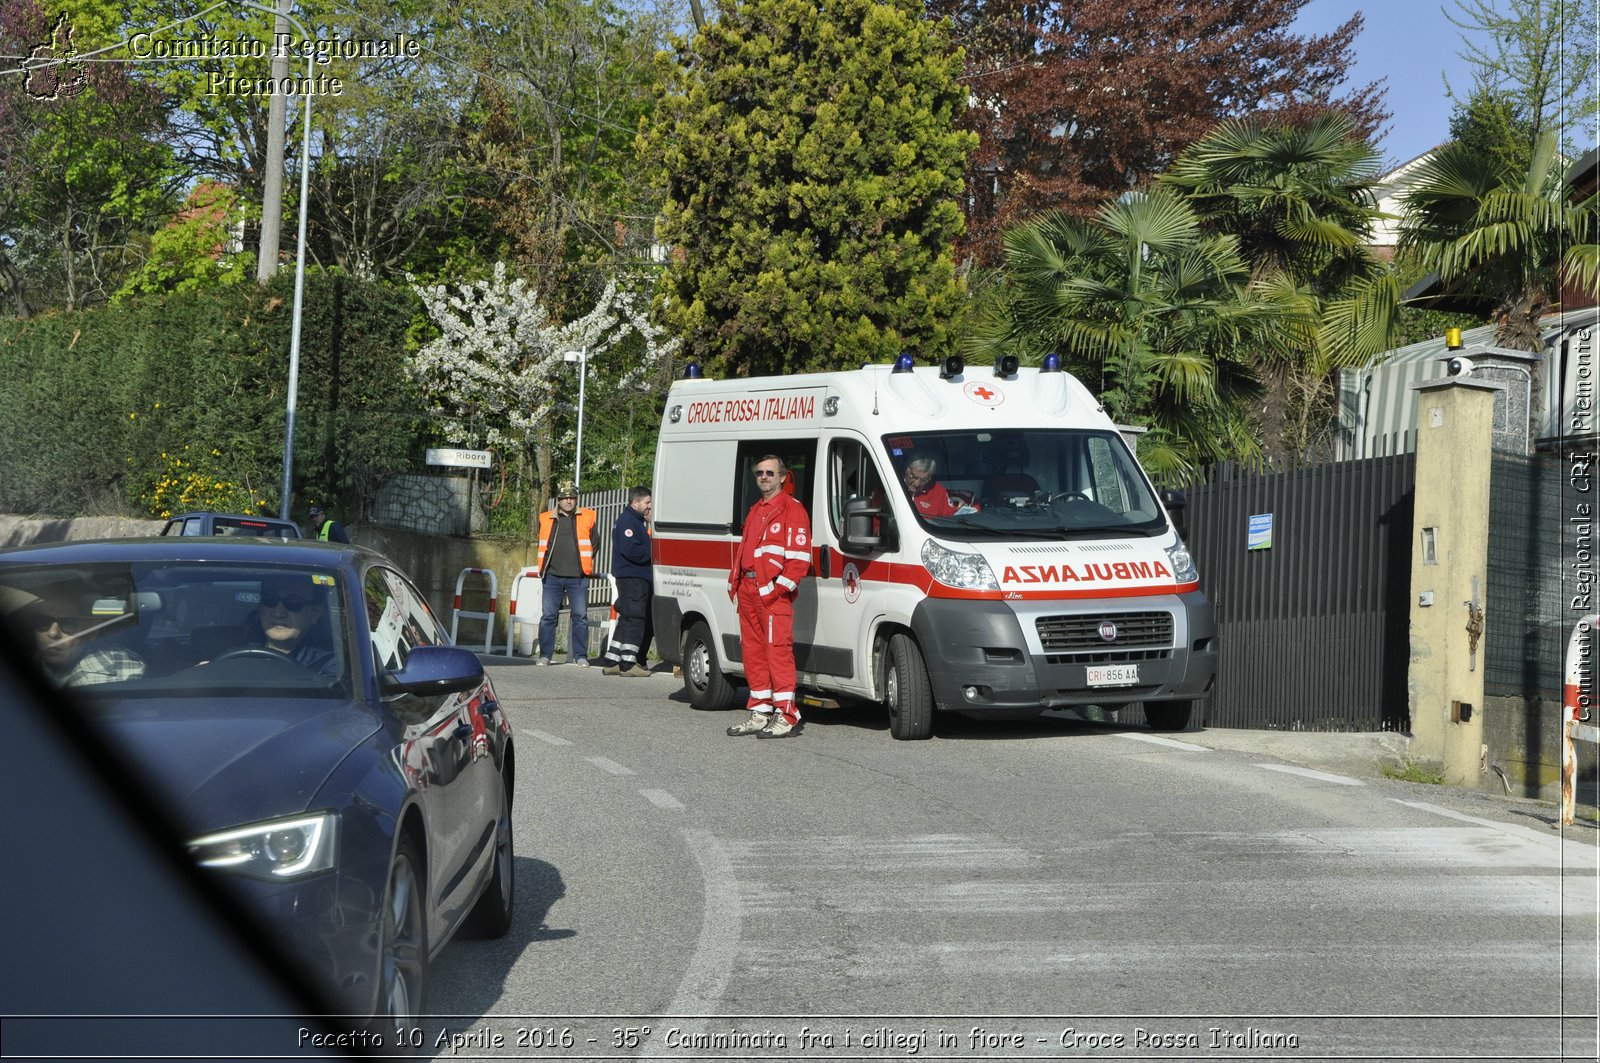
{"x":1114,"y":675}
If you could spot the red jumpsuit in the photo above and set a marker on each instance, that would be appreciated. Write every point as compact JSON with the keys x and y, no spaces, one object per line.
{"x":774,"y":555}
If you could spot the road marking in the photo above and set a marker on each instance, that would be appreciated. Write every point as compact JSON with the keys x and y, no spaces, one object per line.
{"x":706,"y":978}
{"x":1313,"y":773}
{"x":1584,"y":853}
{"x":544,"y":737}
{"x":611,"y":766}
{"x":662,"y":799}
{"x":1157,"y":740}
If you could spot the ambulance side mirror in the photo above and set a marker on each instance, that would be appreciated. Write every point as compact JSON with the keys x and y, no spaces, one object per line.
{"x":867,"y":528}
{"x":1177,"y":504}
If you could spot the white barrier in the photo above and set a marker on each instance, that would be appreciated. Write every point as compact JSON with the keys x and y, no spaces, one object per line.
{"x":1572,"y":715}
{"x":529,"y":624}
{"x":488,"y":618}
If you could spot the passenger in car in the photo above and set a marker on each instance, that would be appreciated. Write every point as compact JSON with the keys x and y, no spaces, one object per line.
{"x":63,"y":641}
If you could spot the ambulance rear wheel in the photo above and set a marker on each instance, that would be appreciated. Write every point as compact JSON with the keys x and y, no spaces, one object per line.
{"x":703,"y":681}
{"x":906,"y":691}
{"x":1167,"y":715}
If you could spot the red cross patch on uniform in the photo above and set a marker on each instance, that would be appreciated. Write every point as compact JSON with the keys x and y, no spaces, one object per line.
{"x":774,"y":528}
{"x":628,"y":532}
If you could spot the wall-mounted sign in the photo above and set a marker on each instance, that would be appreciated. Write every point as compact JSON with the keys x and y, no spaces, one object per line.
{"x":1260,"y":534}
{"x":465,"y":459}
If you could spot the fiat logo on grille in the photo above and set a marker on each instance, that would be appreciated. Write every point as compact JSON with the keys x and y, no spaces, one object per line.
{"x":1108,"y":630}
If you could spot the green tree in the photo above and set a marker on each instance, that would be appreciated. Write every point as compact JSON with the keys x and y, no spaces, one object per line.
{"x":563,"y":87}
{"x":85,"y":169}
{"x":1158,"y":313}
{"x":1507,"y":237}
{"x":1538,"y":54}
{"x":814,"y":173}
{"x":1488,"y":123}
{"x":1299,"y":200}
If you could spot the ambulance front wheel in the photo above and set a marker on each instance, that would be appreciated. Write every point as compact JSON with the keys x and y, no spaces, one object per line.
{"x":906,"y":690}
{"x":703,"y":680}
{"x":1167,"y":715}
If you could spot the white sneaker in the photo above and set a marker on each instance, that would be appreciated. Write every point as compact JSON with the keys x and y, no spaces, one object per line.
{"x":756,"y":722}
{"x":542,"y":661}
{"x":778,"y":727}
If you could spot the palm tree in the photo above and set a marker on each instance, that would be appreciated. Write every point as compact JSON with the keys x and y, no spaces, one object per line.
{"x":1506,"y":237}
{"x":1300,"y":201}
{"x":1155,"y":310}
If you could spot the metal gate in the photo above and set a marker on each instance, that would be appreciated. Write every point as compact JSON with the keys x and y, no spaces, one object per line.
{"x":1312,"y":626}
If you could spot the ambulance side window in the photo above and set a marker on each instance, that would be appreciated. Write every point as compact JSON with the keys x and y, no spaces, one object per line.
{"x":798,"y":454}
{"x":851,"y":474}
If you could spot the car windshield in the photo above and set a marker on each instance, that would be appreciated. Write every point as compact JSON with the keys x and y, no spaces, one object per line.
{"x":182,"y":629}
{"x":1026,"y":482}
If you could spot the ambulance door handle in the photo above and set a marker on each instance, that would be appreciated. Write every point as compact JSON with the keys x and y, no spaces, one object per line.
{"x":826,"y":567}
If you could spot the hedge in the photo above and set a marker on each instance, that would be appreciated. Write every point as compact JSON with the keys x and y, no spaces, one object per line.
{"x":180,"y":400}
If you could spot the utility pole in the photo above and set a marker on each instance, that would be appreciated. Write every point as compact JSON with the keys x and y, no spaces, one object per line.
{"x":272,"y":175}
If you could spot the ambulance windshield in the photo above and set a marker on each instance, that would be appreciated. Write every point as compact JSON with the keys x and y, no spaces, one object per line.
{"x":1025,"y":482}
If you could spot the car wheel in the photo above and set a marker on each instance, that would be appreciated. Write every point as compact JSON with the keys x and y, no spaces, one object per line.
{"x":703,"y":680}
{"x":1167,"y":715}
{"x":491,"y":916}
{"x":403,"y":953}
{"x":906,"y":691}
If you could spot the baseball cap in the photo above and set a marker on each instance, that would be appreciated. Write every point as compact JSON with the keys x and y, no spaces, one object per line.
{"x":566,"y":489}
{"x":316,"y":509}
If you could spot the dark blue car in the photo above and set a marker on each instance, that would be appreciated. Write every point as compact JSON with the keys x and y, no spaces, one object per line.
{"x":302,"y":712}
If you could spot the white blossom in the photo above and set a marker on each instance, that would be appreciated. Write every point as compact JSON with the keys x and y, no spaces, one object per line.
{"x":498,"y":369}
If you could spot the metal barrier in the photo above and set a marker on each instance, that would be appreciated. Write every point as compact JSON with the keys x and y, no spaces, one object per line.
{"x":1575,"y":708}
{"x":512,"y":619}
{"x":488,"y":618}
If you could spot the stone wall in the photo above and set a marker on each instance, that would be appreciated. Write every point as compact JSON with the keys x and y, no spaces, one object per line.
{"x":432,"y":505}
{"x":20,"y":531}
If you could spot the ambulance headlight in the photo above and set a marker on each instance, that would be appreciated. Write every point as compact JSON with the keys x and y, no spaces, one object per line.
{"x":955,"y":569}
{"x":1181,"y":563}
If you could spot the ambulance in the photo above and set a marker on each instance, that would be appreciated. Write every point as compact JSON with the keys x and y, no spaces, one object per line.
{"x":1050,"y":577}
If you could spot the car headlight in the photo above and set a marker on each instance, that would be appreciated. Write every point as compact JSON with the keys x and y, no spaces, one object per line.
{"x":954,"y":569}
{"x":1181,"y":563}
{"x":276,"y":850}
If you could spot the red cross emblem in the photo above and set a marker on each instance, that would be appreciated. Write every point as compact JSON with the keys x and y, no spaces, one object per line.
{"x":983,"y":394}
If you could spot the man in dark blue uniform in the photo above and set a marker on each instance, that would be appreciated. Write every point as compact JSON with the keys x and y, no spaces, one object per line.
{"x":630,"y":564}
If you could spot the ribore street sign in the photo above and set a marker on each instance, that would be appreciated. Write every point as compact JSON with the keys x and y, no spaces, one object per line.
{"x":466,"y":459}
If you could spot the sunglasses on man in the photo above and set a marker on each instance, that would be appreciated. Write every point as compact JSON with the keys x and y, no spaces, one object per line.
{"x":292,"y":602}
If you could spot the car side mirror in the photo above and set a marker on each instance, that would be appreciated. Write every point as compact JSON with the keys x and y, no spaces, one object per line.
{"x":867,"y":528}
{"x":434,"y":670}
{"x":1177,"y":504}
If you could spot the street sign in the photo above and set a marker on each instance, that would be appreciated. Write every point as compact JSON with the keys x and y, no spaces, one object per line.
{"x":465,"y":459}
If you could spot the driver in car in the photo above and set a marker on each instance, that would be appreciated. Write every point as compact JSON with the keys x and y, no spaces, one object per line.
{"x":931,"y":498}
{"x":290,"y":608}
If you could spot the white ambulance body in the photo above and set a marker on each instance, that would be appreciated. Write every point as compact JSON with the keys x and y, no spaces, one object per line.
{"x":1059,"y":583}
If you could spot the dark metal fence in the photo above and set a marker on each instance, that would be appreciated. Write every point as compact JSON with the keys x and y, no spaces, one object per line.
{"x":1533,"y":551}
{"x":1313,"y":629}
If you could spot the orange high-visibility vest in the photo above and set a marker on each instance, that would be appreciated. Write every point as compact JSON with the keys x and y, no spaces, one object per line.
{"x":583,"y":521}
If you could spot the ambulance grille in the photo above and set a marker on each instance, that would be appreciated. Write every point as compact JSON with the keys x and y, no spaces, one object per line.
{"x":1080,"y":634}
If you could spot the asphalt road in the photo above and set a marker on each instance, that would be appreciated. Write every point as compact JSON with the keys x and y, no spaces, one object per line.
{"x":1055,"y":889}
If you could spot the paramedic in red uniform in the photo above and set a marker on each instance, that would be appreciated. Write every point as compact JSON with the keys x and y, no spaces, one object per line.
{"x":774,"y":555}
{"x":930,"y":498}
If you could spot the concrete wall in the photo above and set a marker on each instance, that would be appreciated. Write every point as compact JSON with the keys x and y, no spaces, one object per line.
{"x":1449,"y":577}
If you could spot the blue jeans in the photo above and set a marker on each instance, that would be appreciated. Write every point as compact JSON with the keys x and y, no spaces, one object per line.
{"x":575,"y":589}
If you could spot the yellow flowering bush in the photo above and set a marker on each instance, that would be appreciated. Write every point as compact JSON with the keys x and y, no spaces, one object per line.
{"x":188,"y":481}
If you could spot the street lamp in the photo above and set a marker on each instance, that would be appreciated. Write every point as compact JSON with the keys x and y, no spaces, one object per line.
{"x":581,"y":356}
{"x":299,"y":256}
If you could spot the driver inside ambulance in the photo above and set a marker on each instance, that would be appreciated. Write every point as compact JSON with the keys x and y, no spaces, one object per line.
{"x":927,"y":494}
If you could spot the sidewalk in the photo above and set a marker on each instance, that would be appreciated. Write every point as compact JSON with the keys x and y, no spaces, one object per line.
{"x":1358,"y":754}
